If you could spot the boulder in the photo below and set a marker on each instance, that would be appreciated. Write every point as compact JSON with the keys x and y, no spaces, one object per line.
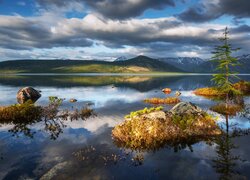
{"x":166,"y":90}
{"x":186,"y":108}
{"x":28,"y":93}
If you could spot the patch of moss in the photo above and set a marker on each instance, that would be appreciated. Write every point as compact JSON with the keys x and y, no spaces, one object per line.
{"x":183,"y":121}
{"x":168,"y":100}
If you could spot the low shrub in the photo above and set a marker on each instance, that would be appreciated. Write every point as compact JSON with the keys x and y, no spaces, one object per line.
{"x":20,"y":112}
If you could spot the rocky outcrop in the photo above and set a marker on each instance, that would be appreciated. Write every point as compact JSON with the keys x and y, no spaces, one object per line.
{"x":186,"y":108}
{"x":185,"y":123}
{"x":28,"y":93}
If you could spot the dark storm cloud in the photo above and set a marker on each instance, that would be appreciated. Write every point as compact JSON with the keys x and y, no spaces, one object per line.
{"x":241,"y":29}
{"x":155,"y":35}
{"x":20,"y":33}
{"x":114,"y":9}
{"x":209,"y":10}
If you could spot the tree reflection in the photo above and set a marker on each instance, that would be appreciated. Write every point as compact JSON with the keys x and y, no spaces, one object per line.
{"x":50,"y":118}
{"x":226,"y":161}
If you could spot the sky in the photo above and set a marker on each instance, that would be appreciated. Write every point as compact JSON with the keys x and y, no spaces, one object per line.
{"x":107,"y":29}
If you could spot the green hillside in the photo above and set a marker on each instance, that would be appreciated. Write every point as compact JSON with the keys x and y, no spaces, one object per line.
{"x":140,"y":64}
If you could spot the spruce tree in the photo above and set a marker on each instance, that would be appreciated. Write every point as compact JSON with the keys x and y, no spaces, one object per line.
{"x":225,"y":62}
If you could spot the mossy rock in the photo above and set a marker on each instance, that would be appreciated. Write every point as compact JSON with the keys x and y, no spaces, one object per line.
{"x":151,"y":131}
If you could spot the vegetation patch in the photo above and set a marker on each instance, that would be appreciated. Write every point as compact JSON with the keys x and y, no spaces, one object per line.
{"x":241,"y":87}
{"x":146,"y":133}
{"x":20,"y":112}
{"x":209,"y":91}
{"x":227,"y":109}
{"x":169,"y":100}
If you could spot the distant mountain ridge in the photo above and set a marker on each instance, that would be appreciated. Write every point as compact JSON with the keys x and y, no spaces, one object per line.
{"x":184,"y":63}
{"x":139,"y":64}
{"x":243,"y":68}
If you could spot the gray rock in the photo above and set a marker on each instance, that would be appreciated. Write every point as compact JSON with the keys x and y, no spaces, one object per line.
{"x":155,"y":115}
{"x":27,"y":93}
{"x":186,"y":108}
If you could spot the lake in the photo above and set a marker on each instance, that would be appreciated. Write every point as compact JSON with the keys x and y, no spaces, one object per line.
{"x":84,"y":149}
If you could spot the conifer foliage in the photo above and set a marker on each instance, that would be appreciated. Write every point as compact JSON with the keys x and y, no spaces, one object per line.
{"x":222,"y":55}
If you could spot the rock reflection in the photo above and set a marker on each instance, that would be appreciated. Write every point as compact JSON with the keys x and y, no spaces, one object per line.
{"x":25,"y":116}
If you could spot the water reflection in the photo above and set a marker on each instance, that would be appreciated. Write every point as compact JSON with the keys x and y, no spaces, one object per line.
{"x":71,"y":154}
{"x":226,"y":161}
{"x":22,"y":117}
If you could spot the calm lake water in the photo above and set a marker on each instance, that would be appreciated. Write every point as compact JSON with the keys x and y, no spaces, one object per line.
{"x":85,"y":149}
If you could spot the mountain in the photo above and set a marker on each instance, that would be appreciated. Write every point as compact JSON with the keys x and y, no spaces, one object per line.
{"x":184,"y":63}
{"x":198,"y":65}
{"x":139,"y":64}
{"x":149,"y":63}
{"x":209,"y":66}
{"x":121,"y":58}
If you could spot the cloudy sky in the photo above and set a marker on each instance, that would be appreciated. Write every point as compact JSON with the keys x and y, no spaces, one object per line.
{"x":106,"y":29}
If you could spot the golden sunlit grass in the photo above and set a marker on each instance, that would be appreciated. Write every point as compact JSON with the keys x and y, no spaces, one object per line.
{"x":142,"y":133}
{"x":208,"y":91}
{"x":242,"y":86}
{"x":169,"y":100}
{"x":230,"y":109}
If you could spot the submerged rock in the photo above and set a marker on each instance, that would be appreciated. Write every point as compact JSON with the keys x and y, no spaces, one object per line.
{"x":56,"y":170}
{"x":73,"y":100}
{"x":28,"y":93}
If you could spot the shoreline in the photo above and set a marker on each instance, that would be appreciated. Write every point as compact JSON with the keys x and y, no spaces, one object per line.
{"x":111,"y":74}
